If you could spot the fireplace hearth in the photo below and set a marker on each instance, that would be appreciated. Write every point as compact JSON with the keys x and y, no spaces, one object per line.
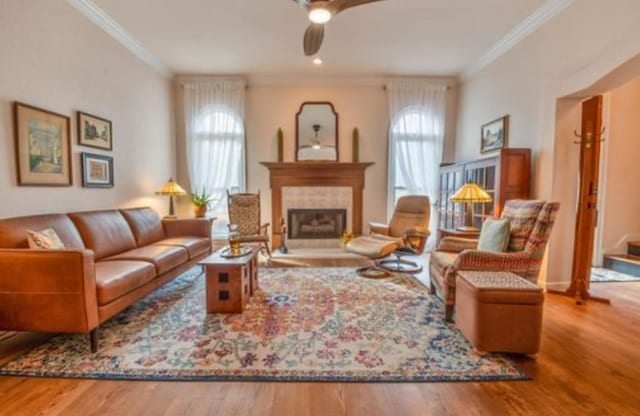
{"x":316,"y":224}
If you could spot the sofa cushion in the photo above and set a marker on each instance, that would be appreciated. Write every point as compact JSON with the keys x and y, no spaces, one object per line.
{"x":105,"y":232}
{"x":13,"y":231}
{"x":442,"y":260}
{"x":145,"y":224}
{"x":164,"y":258}
{"x":195,"y":246}
{"x":117,"y":278}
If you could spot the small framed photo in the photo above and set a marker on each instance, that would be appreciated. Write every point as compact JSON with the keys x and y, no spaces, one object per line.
{"x":43,"y":146}
{"x":94,"y":131}
{"x":494,"y":135}
{"x":97,"y":171}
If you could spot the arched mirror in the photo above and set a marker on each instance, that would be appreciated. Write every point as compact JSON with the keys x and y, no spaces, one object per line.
{"x":317,"y":132}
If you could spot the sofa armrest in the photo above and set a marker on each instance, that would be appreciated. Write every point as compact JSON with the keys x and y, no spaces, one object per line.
{"x":378,"y":228}
{"x":187,"y":227}
{"x":517,"y":263}
{"x":48,"y":290}
{"x":457,"y":244}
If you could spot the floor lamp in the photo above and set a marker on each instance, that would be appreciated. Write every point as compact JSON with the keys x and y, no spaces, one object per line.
{"x":470,"y":193}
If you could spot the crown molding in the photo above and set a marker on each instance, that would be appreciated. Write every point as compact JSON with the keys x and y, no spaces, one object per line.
{"x":340,"y":80}
{"x":116,"y":31}
{"x":530,"y":24}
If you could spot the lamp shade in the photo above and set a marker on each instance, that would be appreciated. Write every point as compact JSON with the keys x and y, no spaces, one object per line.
{"x":171,"y":188}
{"x":470,"y":192}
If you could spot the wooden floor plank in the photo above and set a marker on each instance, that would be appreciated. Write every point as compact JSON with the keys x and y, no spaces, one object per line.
{"x":589,"y":365}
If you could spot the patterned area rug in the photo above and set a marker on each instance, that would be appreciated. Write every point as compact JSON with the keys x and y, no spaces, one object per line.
{"x":599,"y":275}
{"x":305,"y":324}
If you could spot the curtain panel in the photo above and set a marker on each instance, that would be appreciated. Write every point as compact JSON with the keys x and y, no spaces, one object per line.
{"x":416,"y":135}
{"x":215,"y":140}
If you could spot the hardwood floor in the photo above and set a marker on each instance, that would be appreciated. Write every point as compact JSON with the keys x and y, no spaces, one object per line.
{"x":589,"y":365}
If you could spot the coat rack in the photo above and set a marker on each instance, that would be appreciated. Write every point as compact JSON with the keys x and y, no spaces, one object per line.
{"x":589,"y":138}
{"x":586,"y":212}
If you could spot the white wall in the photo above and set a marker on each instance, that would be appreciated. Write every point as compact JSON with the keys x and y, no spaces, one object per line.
{"x":54,"y":58}
{"x":570,"y":53}
{"x":270,"y":106}
{"x":621,"y":217}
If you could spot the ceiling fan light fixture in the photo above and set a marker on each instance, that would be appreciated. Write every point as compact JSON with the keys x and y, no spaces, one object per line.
{"x":317,"y":61}
{"x":319,"y":15}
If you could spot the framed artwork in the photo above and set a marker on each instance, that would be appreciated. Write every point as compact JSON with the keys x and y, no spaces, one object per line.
{"x":97,"y":171}
{"x":94,"y":131}
{"x":494,"y":135}
{"x":43,"y":146}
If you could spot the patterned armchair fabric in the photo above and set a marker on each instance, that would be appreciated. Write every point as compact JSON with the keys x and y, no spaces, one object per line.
{"x":244,"y":213}
{"x":531,"y":223}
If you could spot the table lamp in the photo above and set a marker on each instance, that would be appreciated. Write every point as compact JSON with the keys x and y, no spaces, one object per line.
{"x":470,"y":193}
{"x":171,"y":189}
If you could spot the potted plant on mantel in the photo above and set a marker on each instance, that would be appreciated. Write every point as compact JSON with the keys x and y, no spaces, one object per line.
{"x":200,"y":202}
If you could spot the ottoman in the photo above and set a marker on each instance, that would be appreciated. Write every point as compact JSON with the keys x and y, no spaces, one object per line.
{"x":373,"y":246}
{"x":499,"y":311}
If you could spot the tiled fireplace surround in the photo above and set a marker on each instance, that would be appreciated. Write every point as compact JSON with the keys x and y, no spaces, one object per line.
{"x":316,"y":197}
{"x":316,"y":185}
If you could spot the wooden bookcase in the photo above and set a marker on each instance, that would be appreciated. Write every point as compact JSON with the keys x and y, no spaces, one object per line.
{"x":507,"y":175}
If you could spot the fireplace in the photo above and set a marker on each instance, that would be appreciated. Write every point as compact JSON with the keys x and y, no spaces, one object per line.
{"x":339,"y":178}
{"x":316,"y":224}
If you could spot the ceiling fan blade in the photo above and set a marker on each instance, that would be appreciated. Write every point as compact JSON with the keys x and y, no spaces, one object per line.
{"x":337,"y":6}
{"x":313,"y":39}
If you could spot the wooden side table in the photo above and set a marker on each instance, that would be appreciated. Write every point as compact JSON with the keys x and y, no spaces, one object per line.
{"x":230,"y":281}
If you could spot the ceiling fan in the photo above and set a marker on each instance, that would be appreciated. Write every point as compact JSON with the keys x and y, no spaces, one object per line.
{"x":320,"y":12}
{"x":315,"y":141}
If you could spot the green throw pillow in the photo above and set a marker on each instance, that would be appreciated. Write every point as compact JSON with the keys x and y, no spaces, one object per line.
{"x":494,"y":235}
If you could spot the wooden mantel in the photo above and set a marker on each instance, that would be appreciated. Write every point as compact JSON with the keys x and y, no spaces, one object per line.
{"x":321,"y":174}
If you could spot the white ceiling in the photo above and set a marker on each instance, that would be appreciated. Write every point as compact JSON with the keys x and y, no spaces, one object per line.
{"x":264,"y":37}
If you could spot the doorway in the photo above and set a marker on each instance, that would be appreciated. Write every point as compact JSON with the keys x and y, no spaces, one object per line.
{"x":596,"y":180}
{"x":589,"y":141}
{"x":617,"y":251}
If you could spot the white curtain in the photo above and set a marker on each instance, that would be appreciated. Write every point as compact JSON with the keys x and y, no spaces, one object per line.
{"x":416,"y":135}
{"x":215,"y":141}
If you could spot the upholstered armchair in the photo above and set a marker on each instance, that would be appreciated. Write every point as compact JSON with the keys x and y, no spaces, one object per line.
{"x":530,"y":225}
{"x":244,"y":217}
{"x":410,"y":222}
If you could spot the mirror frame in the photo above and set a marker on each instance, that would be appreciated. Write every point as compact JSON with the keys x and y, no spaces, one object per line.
{"x":333,"y":110}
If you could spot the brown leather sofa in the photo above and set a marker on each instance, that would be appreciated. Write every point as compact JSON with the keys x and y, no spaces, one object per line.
{"x":112,"y":258}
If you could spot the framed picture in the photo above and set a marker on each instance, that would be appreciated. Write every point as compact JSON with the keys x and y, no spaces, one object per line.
{"x":97,"y":171}
{"x":494,"y":135}
{"x":43,"y":147}
{"x":94,"y":131}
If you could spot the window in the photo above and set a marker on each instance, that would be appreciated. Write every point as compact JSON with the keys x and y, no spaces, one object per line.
{"x":218,"y":146}
{"x":414,"y":139}
{"x":214,"y":124}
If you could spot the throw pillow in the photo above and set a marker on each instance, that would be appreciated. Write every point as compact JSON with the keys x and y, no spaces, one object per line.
{"x":494,"y":235}
{"x":44,"y":239}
